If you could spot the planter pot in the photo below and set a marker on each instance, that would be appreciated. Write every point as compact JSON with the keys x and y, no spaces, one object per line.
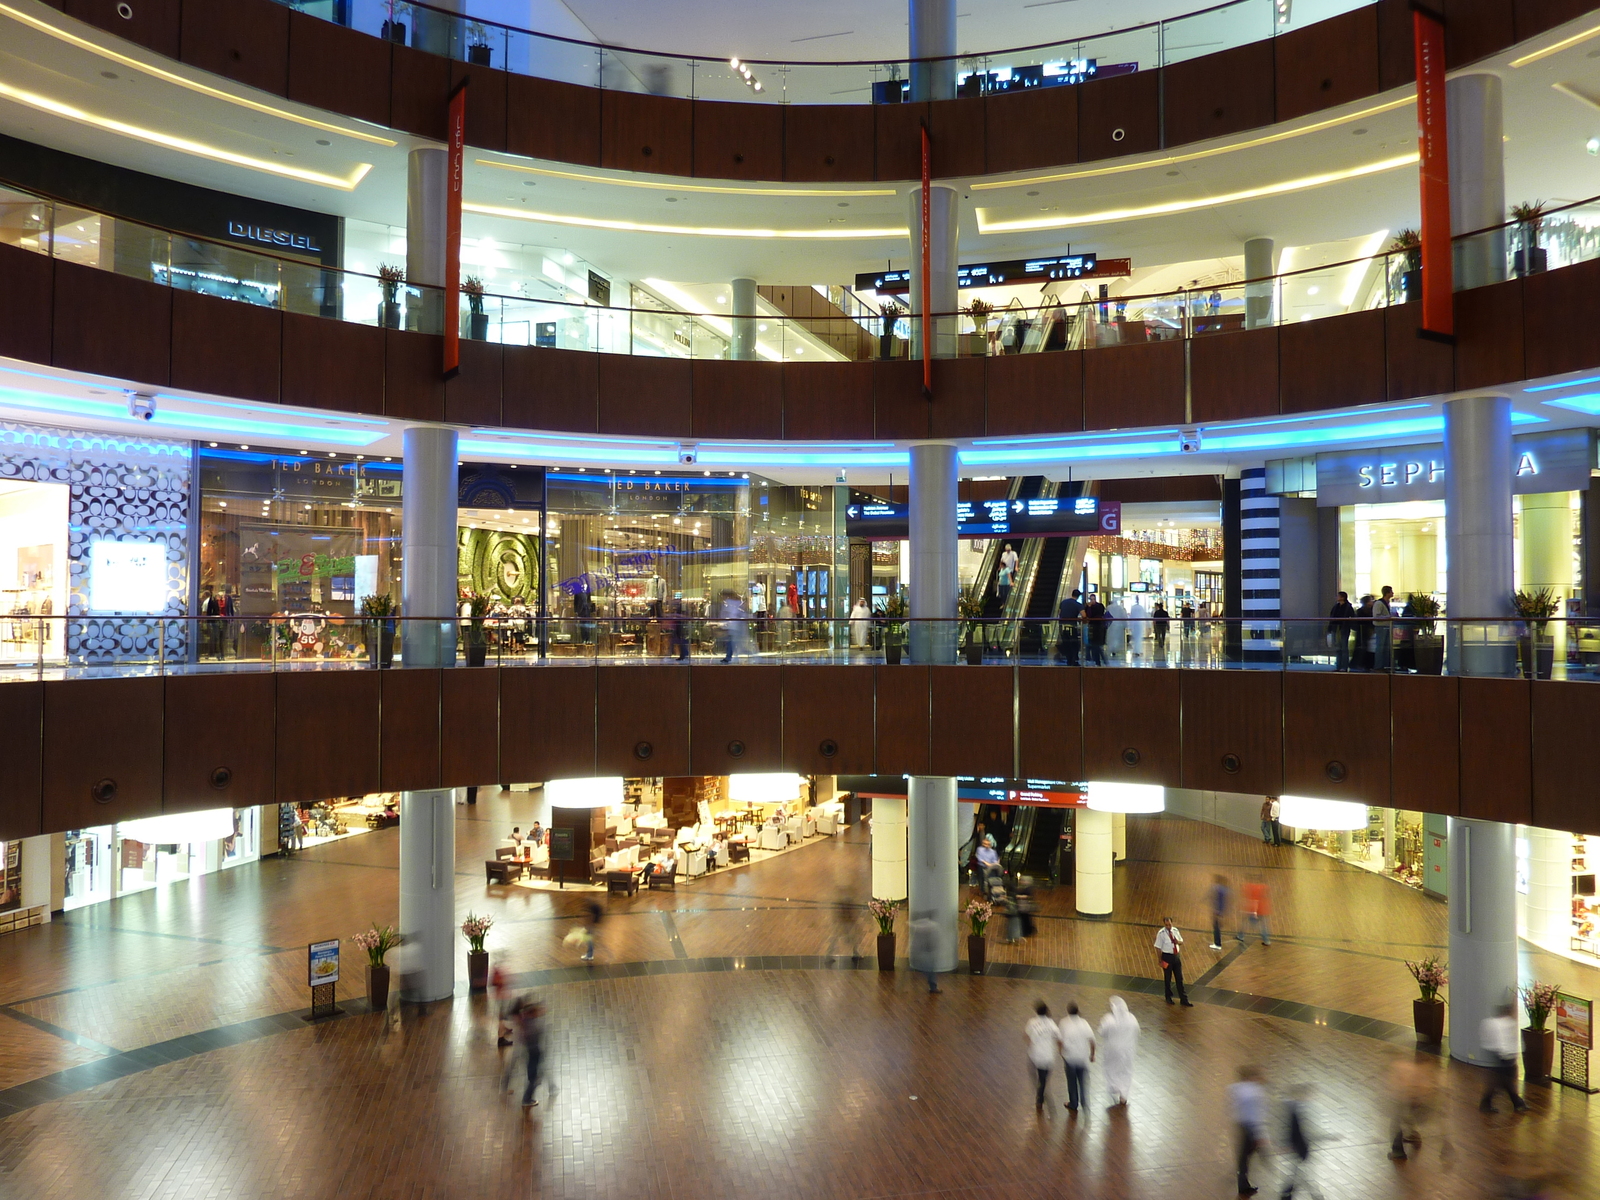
{"x":389,"y":314}
{"x":1411,"y":285}
{"x":1538,"y":1053}
{"x":480,"y":55}
{"x":477,"y":970}
{"x":478,"y":327}
{"x":977,"y":952}
{"x":1429,"y":653}
{"x":974,"y":652}
{"x":395,"y":31}
{"x":891,"y":653}
{"x":477,"y":652}
{"x":1536,"y":656}
{"x":886,"y":952}
{"x":380,"y":643}
{"x":974,"y":345}
{"x":1428,"y":1017}
{"x":1534,"y":262}
{"x":378,"y":988}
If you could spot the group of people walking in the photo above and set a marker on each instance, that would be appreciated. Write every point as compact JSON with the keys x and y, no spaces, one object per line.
{"x":1372,"y":636}
{"x":1097,"y":630}
{"x":1076,"y":1043}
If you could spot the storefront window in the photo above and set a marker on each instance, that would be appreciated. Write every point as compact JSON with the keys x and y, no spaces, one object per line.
{"x":33,"y":568}
{"x":10,"y":876}
{"x":1398,"y":545}
{"x":1391,"y":844}
{"x":89,"y":866}
{"x":136,"y":856}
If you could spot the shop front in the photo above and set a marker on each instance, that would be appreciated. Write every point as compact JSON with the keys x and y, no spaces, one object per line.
{"x":103,"y":862}
{"x":1558,"y":903}
{"x":1386,"y":841}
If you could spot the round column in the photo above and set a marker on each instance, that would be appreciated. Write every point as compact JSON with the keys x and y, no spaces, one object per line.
{"x":1483,"y":930}
{"x":943,"y":261}
{"x":428,"y":894}
{"x":934,"y":546}
{"x":888,"y":848}
{"x":933,"y":880}
{"x":933,"y":35}
{"x":743,"y":295}
{"x":1119,"y":837}
{"x":1092,"y":860}
{"x":429,"y":558}
{"x":1478,"y":530}
{"x":1477,"y":178}
{"x":1546,"y":546}
{"x":427,"y":191}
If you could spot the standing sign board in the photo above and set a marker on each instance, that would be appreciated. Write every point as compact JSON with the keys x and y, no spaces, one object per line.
{"x":322,"y":971}
{"x":1575,"y":1031}
{"x":561,"y":852}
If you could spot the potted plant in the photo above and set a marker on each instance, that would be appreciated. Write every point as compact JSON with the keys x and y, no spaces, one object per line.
{"x":1535,"y":606}
{"x":979,"y":311}
{"x":978,"y":912}
{"x":1529,"y":259}
{"x":1408,"y":242}
{"x":475,"y":929}
{"x":394,"y":29}
{"x":1538,"y":1043}
{"x":1427,"y":646}
{"x":477,"y":319}
{"x":894,"y":632}
{"x":390,"y":277}
{"x":892,"y":311}
{"x":477,"y":642}
{"x":379,"y":612}
{"x":1427,"y":1012}
{"x":478,"y":51}
{"x":883,"y":912}
{"x":377,"y":942}
{"x":969,"y":606}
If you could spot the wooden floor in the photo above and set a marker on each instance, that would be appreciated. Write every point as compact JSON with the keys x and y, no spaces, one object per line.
{"x":148,"y":1046}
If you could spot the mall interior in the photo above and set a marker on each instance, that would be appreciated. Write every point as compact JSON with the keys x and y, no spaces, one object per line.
{"x":510,"y":509}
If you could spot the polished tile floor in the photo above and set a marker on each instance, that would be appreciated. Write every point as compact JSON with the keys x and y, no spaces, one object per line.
{"x":149,"y":1047}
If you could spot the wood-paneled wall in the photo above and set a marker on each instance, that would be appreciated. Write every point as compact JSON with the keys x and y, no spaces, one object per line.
{"x":84,"y":319}
{"x":1333,"y":62}
{"x":85,"y":752}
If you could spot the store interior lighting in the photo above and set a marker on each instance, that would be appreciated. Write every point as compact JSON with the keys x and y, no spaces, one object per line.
{"x":1125,"y":797}
{"x":206,"y":826}
{"x":1306,"y":812}
{"x":601,"y":792}
{"x":764,"y":789}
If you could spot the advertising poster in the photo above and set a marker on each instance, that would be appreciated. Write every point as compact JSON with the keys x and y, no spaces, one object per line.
{"x":1575,"y":1020}
{"x":323,"y":962}
{"x":127,"y":577}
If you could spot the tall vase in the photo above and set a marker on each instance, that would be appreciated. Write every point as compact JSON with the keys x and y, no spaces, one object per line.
{"x":477,"y":970}
{"x":1538,"y":1054}
{"x":886,"y":952}
{"x":377,"y":988}
{"x":977,"y":953}
{"x":1428,"y":1018}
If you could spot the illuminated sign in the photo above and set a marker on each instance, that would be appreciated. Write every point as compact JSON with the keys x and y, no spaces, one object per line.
{"x":1556,"y":461}
{"x":127,"y":577}
{"x":1050,"y":516}
{"x":994,"y":789}
{"x":1019,"y":270}
{"x":268,"y":236}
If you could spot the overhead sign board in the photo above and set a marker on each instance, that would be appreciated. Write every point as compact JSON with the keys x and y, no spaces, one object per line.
{"x":1018,"y":270}
{"x":1051,"y":516}
{"x":1555,"y":461}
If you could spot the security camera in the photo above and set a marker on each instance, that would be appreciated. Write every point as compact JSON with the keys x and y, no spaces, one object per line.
{"x":840,"y":477}
{"x":1189,"y":441}
{"x":688,"y":455}
{"x":141,"y":406}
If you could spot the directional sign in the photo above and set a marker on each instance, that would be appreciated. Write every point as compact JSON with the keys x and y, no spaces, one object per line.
{"x":1050,"y":516}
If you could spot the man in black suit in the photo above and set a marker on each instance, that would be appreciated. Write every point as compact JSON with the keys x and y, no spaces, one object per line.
{"x":1341,"y":624}
{"x":1071,"y":632}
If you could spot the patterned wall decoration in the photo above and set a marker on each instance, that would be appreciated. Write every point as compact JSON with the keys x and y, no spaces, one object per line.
{"x":120,"y":489}
{"x":499,"y":565}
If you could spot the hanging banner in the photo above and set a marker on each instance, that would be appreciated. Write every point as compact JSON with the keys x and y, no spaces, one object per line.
{"x":452,"y":230}
{"x":927,"y":263}
{"x":1438,"y":284}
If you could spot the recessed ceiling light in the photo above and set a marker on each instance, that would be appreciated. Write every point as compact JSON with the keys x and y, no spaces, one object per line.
{"x":324,"y":142}
{"x":1036,"y":193}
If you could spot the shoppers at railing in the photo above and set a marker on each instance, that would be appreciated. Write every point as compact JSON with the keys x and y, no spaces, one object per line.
{"x":1364,"y":640}
{"x":1341,"y":623}
{"x":1094,"y":629}
{"x":1383,"y":630}
{"x":1071,"y":636}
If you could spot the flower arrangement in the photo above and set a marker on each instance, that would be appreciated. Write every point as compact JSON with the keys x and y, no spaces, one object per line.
{"x":1537,"y":605}
{"x":1430,"y":974}
{"x":377,"y":606}
{"x":978,"y":912}
{"x":391,"y":274}
{"x":377,"y":942}
{"x":979,"y":310}
{"x":1424,"y":606}
{"x":883,"y":912}
{"x":1530,"y":216}
{"x":475,"y":929}
{"x":1406,"y":239}
{"x":1540,"y":1001}
{"x":477,"y":609}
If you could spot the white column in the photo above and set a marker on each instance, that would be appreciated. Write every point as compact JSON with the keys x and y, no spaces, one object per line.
{"x":1259,"y":262}
{"x":943,"y":260}
{"x":1546,"y":545}
{"x":934,"y":574}
{"x":428,"y":547}
{"x":1119,"y":837}
{"x":1549,"y":903}
{"x":427,"y":190}
{"x":1483,"y":930}
{"x":933,"y":880}
{"x":1092,"y":859}
{"x":1478,"y":530}
{"x":1477,"y":177}
{"x":933,"y":35}
{"x":743,"y":294}
{"x":888,"y":849}
{"x":428,"y":894}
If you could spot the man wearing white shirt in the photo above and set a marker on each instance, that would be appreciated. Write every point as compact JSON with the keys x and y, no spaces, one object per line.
{"x":1169,"y":945}
{"x":1249,"y":1100}
{"x":1498,"y":1034}
{"x":1044,"y":1043}
{"x":1077,"y":1052}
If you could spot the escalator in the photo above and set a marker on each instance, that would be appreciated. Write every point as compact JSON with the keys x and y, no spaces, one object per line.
{"x":1042,"y":597}
{"x":1029,"y":838}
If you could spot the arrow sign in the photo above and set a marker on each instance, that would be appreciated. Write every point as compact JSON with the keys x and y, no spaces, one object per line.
{"x":1018,"y":506}
{"x":853,"y":511}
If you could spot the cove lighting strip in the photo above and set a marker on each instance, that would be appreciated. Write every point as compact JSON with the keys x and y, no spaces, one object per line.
{"x":515,"y":214}
{"x":1171,"y":160}
{"x":1107,"y":216}
{"x":176,"y":421}
{"x":653,"y":185}
{"x":183,"y":145}
{"x":1574,"y":40}
{"x":192,"y":85}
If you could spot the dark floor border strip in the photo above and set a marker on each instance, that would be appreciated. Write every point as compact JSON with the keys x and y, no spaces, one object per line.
{"x":118,"y":1064}
{"x":65,"y":1035}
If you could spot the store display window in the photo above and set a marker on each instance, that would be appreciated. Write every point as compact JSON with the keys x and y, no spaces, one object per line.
{"x":33,"y":568}
{"x":136,"y":856}
{"x":89,"y":866}
{"x":1398,"y":545}
{"x":10,"y":876}
{"x":1391,"y":844}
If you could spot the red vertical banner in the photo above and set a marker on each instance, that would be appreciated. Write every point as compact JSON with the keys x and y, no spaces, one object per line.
{"x":927,"y":264}
{"x":452,"y":230}
{"x":1433,"y":144}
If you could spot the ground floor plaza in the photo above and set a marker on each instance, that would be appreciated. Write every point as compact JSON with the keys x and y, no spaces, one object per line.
{"x":726,"y":1045}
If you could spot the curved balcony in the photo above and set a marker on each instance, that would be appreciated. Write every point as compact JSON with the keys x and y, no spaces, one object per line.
{"x":799,"y":131}
{"x":91,"y":751}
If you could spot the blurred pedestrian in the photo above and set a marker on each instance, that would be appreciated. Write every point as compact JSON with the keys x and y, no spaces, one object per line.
{"x":1498,"y":1036}
{"x":1095,"y":630}
{"x":1411,"y":1088}
{"x":1026,"y":906}
{"x":1219,"y":909}
{"x":1044,"y":1043}
{"x":1255,"y":912}
{"x":1169,"y":948}
{"x":530,"y":1031}
{"x":1249,"y":1101}
{"x":1119,"y":1043}
{"x":500,"y":992}
{"x":924,"y":946}
{"x":1297,"y":1137}
{"x":1266,"y":820}
{"x":845,"y":932}
{"x":1077,"y":1052}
